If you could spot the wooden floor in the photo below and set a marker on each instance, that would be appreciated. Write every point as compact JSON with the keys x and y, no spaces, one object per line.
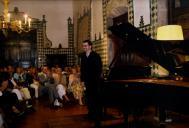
{"x":74,"y":116}
{"x":69,"y":116}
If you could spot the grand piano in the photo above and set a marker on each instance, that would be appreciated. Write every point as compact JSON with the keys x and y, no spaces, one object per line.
{"x":130,"y":84}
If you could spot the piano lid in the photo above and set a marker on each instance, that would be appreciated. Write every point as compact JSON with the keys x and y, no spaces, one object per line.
{"x":173,"y":56}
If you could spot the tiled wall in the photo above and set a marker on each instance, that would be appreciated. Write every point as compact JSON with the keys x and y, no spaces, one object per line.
{"x":43,"y":44}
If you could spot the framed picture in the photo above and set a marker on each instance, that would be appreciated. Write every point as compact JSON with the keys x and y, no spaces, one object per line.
{"x":141,"y":12}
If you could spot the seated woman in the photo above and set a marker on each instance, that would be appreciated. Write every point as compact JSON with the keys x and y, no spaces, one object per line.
{"x":8,"y":100}
{"x":60,"y":84}
{"x":22,"y":93}
{"x":32,"y":80}
{"x":75,"y":85}
{"x":48,"y":86}
{"x":1,"y":119}
{"x":18,"y":80}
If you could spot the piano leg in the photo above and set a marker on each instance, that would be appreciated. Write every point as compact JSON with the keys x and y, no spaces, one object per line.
{"x":126,"y":116}
{"x":162,"y":114}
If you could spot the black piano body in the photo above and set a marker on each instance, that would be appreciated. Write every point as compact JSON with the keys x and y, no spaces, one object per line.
{"x":129,"y":84}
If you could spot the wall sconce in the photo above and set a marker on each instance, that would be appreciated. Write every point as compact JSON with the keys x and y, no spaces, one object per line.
{"x":170,"y":32}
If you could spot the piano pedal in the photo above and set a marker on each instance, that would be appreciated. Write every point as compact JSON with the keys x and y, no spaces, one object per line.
{"x":168,"y":120}
{"x":156,"y":118}
{"x":164,"y":123}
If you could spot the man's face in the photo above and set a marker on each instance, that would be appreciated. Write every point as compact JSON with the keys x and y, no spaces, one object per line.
{"x":45,"y":70}
{"x":4,"y":85}
{"x":86,"y":47}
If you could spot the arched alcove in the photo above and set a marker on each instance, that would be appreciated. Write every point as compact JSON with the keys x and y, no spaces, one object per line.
{"x":116,"y":12}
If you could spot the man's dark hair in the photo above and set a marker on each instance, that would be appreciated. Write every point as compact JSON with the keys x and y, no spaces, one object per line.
{"x":88,"y":41}
{"x":3,"y":77}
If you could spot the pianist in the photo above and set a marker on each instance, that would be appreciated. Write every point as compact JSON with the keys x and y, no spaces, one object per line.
{"x":91,"y":70}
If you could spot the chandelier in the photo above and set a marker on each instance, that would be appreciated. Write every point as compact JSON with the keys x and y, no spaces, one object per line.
{"x":14,"y":20}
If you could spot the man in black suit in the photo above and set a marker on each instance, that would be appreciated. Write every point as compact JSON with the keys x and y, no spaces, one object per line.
{"x":91,"y":73}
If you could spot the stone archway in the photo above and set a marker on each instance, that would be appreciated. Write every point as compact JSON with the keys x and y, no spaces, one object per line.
{"x":115,"y":12}
{"x":114,"y":8}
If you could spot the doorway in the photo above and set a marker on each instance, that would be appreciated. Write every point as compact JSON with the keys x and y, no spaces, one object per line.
{"x":57,"y":60}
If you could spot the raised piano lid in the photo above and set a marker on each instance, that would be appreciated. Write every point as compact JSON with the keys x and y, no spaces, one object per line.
{"x":137,"y":51}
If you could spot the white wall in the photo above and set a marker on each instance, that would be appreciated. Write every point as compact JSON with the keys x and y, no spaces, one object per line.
{"x":97,"y":19}
{"x":56,"y":11}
